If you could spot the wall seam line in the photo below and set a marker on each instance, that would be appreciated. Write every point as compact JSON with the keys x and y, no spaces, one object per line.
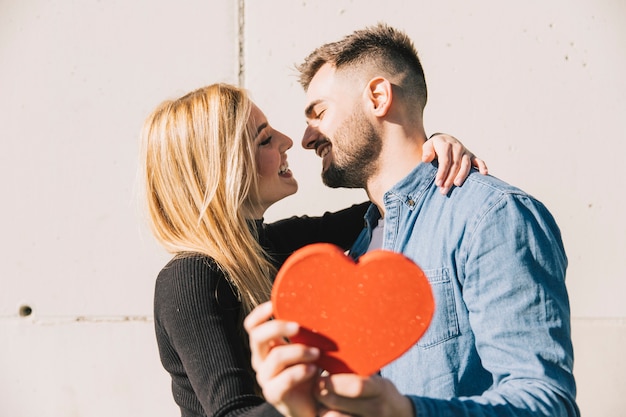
{"x":241,"y":43}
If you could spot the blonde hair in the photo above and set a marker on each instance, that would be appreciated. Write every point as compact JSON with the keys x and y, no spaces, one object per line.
{"x":199,"y":168}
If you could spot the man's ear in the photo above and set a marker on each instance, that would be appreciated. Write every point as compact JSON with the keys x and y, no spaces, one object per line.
{"x":379,"y":95}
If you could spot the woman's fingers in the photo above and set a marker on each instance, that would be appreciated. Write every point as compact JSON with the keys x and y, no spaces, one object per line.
{"x":481,"y":165}
{"x":284,"y":358}
{"x":261,"y":314}
{"x":264,"y":333}
{"x":464,"y":170}
{"x":284,"y":370}
{"x":455,"y":161}
{"x":271,"y":354}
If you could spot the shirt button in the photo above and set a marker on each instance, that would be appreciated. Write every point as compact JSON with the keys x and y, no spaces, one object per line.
{"x":411,"y":203}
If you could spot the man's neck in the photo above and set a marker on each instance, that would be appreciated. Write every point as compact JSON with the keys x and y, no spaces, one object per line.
{"x":398,"y":158}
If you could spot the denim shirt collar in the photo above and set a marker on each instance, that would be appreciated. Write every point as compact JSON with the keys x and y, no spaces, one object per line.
{"x":408,"y":190}
{"x":411,"y":188}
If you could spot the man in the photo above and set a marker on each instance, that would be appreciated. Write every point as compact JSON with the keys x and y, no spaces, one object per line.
{"x":499,"y":342}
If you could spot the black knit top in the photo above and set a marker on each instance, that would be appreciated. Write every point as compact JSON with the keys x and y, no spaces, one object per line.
{"x":198,"y":318}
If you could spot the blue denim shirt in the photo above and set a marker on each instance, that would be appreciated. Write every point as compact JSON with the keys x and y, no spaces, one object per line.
{"x":499,"y":342}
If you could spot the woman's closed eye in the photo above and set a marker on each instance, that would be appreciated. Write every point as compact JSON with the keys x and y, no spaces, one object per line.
{"x":265,"y":141}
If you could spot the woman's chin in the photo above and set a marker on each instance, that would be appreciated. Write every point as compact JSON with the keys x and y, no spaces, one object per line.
{"x":293,"y":190}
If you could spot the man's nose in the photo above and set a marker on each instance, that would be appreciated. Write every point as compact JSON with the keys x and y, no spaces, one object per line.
{"x":311,"y":135}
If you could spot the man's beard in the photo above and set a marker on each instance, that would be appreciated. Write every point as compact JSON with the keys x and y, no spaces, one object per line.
{"x":356,"y":161}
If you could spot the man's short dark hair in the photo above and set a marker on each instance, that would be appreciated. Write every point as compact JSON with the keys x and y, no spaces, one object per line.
{"x":381,"y":46}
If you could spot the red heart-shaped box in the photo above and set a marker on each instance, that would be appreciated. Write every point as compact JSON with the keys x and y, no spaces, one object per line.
{"x":361,"y":315}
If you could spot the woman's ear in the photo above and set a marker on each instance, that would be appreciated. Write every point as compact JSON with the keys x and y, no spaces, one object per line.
{"x":379,"y":95}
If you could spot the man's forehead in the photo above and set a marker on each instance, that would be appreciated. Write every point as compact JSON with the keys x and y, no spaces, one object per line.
{"x":324,"y":75}
{"x":320,"y":88}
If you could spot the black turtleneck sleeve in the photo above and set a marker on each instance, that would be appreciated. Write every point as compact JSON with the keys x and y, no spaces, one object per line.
{"x":340,"y":228}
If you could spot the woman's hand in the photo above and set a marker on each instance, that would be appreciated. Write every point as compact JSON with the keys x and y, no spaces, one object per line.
{"x":455,"y":160}
{"x":285,"y":372}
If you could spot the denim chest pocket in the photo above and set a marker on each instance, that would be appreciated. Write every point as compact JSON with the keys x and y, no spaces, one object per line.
{"x":445,"y":323}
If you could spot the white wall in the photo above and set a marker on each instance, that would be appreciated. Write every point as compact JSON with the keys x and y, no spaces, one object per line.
{"x":536,"y":88}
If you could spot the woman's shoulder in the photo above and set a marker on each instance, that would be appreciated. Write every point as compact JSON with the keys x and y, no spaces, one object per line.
{"x":192,"y":278}
{"x":187,"y":263}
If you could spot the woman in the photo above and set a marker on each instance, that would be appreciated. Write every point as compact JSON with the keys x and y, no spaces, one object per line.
{"x":212,"y":166}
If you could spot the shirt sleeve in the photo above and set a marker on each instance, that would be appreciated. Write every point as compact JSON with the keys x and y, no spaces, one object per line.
{"x":514,"y":290}
{"x":197,"y":321}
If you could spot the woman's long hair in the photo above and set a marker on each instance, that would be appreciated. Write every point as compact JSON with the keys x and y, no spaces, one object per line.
{"x":198,"y":162}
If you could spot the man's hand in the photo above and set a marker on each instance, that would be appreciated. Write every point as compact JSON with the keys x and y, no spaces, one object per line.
{"x":455,"y":160}
{"x":350,"y":394}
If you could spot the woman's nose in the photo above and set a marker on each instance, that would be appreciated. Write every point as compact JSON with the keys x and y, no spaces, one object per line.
{"x":287,"y":143}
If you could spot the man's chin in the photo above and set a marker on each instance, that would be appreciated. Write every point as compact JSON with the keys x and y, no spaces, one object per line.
{"x":332,"y":180}
{"x":331,"y":185}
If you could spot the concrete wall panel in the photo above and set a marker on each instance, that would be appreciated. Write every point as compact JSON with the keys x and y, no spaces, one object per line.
{"x":535,"y":88}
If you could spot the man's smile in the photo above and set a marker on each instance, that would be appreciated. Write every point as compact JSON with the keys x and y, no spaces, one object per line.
{"x":322,"y":149}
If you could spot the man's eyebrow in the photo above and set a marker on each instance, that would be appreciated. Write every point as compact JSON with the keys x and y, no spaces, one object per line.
{"x":309,"y":109}
{"x":259,"y":129}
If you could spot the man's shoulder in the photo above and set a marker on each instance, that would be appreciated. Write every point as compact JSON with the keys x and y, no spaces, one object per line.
{"x":490,"y":181}
{"x":480,"y":194}
{"x":484,"y":187}
{"x":422,"y":179}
